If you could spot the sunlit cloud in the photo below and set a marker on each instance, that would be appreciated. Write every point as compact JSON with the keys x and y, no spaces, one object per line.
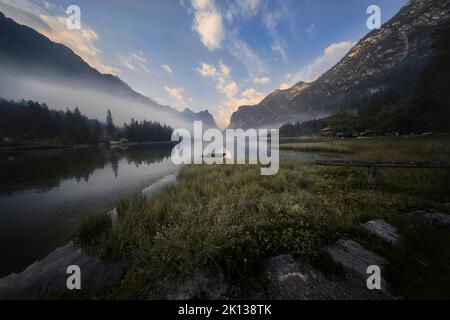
{"x":284,"y":86}
{"x":207,"y":70}
{"x":208,"y":23}
{"x":176,"y":93}
{"x":247,"y":97}
{"x":231,"y":91}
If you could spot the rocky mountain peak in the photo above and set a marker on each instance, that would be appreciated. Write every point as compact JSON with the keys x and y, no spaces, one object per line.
{"x":389,"y":59}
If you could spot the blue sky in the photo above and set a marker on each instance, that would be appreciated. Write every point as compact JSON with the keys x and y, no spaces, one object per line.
{"x":206,"y":54}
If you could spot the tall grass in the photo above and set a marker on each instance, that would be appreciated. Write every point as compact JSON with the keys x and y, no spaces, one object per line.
{"x":316,"y":147}
{"x":229,"y":217}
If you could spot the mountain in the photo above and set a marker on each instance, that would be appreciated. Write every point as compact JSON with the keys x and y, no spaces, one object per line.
{"x":385,"y":61}
{"x":30,"y":54}
{"x":203,"y":116}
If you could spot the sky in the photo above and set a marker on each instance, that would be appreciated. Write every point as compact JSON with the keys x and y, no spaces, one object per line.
{"x":206,"y":54}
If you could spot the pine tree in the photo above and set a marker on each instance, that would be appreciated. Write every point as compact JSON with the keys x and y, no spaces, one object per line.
{"x":110,"y":128}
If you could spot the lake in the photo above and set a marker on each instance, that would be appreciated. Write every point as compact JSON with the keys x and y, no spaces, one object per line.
{"x":44,"y":194}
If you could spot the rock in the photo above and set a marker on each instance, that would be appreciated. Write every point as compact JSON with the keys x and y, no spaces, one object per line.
{"x":289,"y":279}
{"x":210,"y":285}
{"x":352,"y":255}
{"x":49,"y":275}
{"x":158,"y":185}
{"x":355,"y":258}
{"x":431,"y":217}
{"x":383,"y":230}
{"x":282,"y":268}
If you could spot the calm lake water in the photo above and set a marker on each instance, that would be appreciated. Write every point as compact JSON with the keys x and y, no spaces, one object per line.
{"x":43,"y":195}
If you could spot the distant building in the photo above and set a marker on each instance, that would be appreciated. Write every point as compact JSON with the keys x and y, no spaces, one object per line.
{"x":328,"y":131}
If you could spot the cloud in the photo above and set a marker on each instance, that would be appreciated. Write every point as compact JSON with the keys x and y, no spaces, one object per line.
{"x":242,"y":51}
{"x":331,"y":55}
{"x":167,"y":68}
{"x":224,"y":69}
{"x":221,"y":76}
{"x":225,"y":85}
{"x":311,"y":30}
{"x":176,"y":93}
{"x":285,"y":86}
{"x":208,"y":23}
{"x":279,"y":49}
{"x":247,"y":97}
{"x":135,"y":61}
{"x":271,"y":20}
{"x":229,"y":89}
{"x":242,"y":8}
{"x":207,"y":70}
{"x":262,"y":80}
{"x":50,"y":20}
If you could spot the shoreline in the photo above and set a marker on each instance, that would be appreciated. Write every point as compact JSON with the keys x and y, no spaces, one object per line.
{"x":60,"y":146}
{"x":48,"y":279}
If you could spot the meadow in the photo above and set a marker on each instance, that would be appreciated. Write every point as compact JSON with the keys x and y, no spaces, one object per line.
{"x":230,"y":218}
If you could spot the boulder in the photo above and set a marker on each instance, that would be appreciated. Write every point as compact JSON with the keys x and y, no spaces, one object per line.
{"x":383,"y":230}
{"x":431,"y":217}
{"x":49,"y":275}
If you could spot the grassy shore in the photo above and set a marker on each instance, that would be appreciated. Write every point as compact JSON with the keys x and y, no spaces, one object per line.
{"x":328,"y":147}
{"x":230,"y":218}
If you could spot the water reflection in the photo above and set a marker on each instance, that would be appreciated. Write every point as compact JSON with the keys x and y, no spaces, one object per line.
{"x":44,"y":194}
{"x":45,"y":170}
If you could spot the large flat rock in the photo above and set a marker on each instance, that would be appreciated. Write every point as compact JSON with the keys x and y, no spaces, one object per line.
{"x":290,"y":279}
{"x":353,"y":256}
{"x":431,"y":217}
{"x":356,"y":259}
{"x":49,"y":275}
{"x":383,"y":230}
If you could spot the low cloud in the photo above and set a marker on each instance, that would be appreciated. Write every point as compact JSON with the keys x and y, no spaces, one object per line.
{"x":62,"y":93}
